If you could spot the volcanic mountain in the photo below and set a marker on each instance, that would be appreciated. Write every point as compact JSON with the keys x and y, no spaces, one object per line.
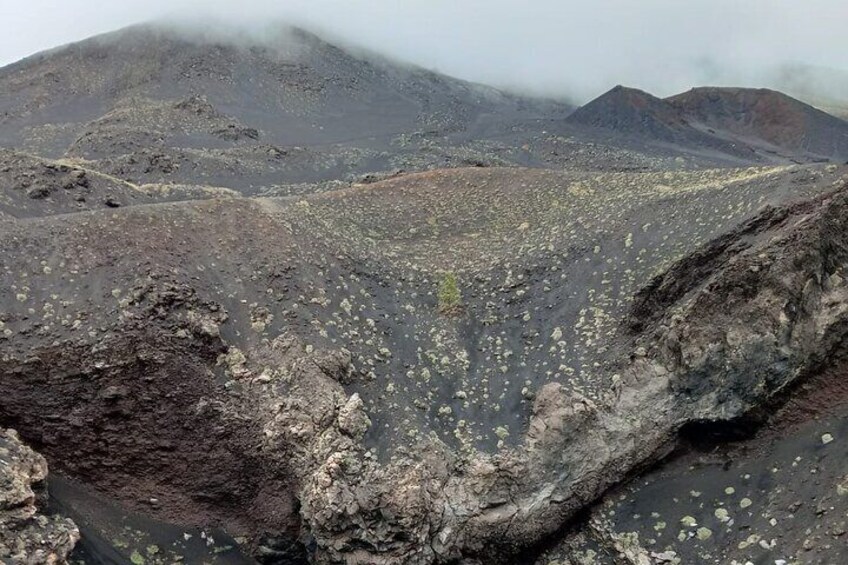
{"x":153,"y":103}
{"x":747,"y":123}
{"x":632,"y":111}
{"x":765,"y":116}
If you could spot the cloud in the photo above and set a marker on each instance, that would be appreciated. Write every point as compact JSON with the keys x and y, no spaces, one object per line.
{"x":551,"y":47}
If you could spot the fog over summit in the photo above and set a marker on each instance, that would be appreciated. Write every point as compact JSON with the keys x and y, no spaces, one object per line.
{"x":572,"y":49}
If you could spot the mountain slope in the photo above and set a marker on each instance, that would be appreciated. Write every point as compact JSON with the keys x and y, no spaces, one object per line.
{"x":758,"y":125}
{"x":209,"y":103}
{"x":632,"y":112}
{"x":766,"y":115}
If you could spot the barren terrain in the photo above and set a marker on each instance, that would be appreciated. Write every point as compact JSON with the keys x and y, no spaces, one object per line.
{"x":283,"y":302}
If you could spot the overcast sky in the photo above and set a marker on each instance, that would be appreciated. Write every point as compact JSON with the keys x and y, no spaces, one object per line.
{"x":558,"y":47}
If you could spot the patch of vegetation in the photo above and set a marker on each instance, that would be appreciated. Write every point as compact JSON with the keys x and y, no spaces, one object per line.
{"x":450,"y":297}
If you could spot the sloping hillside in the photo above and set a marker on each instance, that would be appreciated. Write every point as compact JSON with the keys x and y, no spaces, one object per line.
{"x":232,"y":350}
{"x":768,"y":116}
{"x":633,"y":112}
{"x":153,"y":103}
{"x":756,"y":125}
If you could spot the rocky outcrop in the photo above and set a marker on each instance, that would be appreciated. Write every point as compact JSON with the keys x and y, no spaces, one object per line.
{"x":229,"y":411}
{"x":767,"y":312}
{"x":31,"y":186}
{"x":27,"y":535}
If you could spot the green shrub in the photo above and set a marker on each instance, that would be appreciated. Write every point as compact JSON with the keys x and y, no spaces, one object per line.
{"x":450,"y":298}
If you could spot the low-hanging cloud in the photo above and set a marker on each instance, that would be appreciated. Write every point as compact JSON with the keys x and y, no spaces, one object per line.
{"x":561,"y":48}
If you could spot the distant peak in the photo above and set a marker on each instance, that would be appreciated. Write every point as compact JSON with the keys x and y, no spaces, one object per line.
{"x":628,"y":90}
